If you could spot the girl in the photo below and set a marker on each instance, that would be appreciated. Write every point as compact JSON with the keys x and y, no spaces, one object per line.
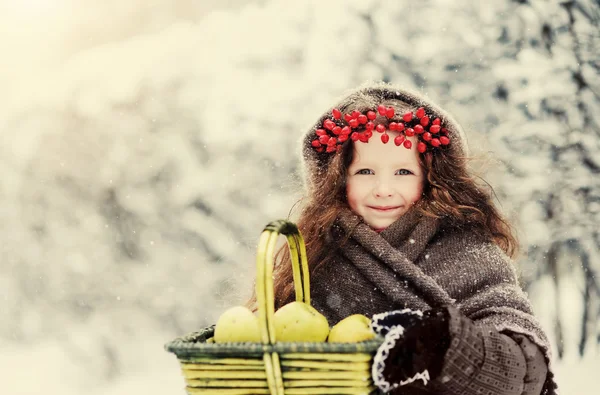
{"x":397,"y":229}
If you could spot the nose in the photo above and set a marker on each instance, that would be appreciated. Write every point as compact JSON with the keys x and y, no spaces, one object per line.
{"x":382,"y":188}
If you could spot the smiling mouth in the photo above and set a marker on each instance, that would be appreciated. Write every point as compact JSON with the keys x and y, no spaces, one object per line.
{"x":384,"y":208}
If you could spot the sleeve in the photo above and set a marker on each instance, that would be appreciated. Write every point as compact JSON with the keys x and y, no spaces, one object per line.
{"x":496,"y":344}
{"x":444,"y":352}
{"x":482,"y":360}
{"x":491,"y":343}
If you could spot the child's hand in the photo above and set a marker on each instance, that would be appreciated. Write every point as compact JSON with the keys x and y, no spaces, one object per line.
{"x":414,"y":347}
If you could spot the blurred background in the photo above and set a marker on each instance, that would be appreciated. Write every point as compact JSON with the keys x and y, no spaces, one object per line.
{"x":144,"y":145}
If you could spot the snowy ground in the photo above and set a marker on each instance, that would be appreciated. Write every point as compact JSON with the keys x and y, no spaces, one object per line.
{"x":43,"y":368}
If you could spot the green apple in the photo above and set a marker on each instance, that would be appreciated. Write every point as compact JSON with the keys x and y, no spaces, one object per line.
{"x":237,"y":324}
{"x":300,"y":322}
{"x":352,"y":329}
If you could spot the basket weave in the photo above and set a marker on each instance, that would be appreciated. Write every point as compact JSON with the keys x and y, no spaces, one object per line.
{"x":272,"y":367}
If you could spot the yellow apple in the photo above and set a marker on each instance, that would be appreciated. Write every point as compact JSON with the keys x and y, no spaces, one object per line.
{"x":237,"y":324}
{"x":300,"y":322}
{"x":352,"y":329}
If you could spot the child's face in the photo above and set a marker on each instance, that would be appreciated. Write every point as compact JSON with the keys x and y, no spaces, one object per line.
{"x":383,"y":181}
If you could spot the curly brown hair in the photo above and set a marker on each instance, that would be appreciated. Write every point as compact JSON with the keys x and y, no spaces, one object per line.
{"x":451,"y":192}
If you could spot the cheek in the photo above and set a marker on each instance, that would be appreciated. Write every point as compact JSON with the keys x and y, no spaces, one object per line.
{"x":417,"y":193}
{"x":351,"y":195}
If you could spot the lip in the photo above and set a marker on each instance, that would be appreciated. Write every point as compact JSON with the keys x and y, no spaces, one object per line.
{"x":384,"y":208}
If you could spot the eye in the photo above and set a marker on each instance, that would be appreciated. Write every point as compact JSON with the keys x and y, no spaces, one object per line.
{"x":404,"y":172}
{"x":364,"y":171}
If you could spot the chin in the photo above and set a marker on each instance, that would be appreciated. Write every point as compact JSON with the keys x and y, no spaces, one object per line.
{"x":380,"y":226}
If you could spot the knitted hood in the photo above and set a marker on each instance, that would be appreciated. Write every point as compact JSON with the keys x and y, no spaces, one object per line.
{"x":368,"y":97}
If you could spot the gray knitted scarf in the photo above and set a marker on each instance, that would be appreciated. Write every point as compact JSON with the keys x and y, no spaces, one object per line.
{"x":419,"y":263}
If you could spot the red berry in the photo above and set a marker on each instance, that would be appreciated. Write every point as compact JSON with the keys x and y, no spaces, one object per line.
{"x":435,"y":142}
{"x":420,"y":112}
{"x":419,"y":129}
{"x":368,"y":133}
{"x":332,"y":141}
{"x":390,"y":112}
{"x":330,"y":148}
{"x":354,"y":136}
{"x":444,"y":130}
{"x":370,"y":126}
{"x":324,"y":139}
{"x":316,"y":143}
{"x":353,"y":123}
{"x":436,"y":122}
{"x":336,"y":113}
{"x":320,"y":149}
{"x":321,"y":132}
{"x":342,"y":138}
{"x":393,"y":125}
{"x":380,"y":128}
{"x":384,"y":138}
{"x":362,"y":119}
{"x":398,"y":140}
{"x":371,"y":115}
{"x":407,"y":117}
{"x":328,"y":124}
{"x":421,"y":147}
{"x":400,"y":127}
{"x":407,"y":144}
{"x":409,"y":132}
{"x":444,"y":140}
{"x":347,"y":117}
{"x":337,"y":130}
{"x":435,"y":128}
{"x":427,"y":136}
{"x":355,"y":114}
{"x":425,"y":121}
{"x":363,"y":137}
{"x":381,"y":110}
{"x":346,"y":130}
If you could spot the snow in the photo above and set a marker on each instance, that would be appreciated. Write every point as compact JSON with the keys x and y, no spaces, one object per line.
{"x":146,"y":144}
{"x":156,"y":373}
{"x":46,"y":368}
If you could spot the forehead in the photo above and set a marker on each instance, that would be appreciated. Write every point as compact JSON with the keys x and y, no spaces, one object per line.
{"x":376,"y":152}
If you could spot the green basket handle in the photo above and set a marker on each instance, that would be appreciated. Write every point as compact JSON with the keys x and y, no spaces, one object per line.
{"x":265,"y":294}
{"x":264,"y":266}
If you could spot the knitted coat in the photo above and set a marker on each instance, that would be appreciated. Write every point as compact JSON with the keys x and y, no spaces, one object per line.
{"x":497,"y":346}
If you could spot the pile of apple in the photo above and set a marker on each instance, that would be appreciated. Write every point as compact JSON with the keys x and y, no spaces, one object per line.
{"x":294,"y":322}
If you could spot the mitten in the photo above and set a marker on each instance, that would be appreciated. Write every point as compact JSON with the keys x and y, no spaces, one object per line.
{"x":382,"y":323}
{"x":414,"y":347}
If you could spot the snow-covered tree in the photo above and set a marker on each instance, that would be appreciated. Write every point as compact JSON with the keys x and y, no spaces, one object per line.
{"x":550,"y":84}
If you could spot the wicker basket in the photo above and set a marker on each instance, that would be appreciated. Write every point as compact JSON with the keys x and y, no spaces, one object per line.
{"x":272,"y":367}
